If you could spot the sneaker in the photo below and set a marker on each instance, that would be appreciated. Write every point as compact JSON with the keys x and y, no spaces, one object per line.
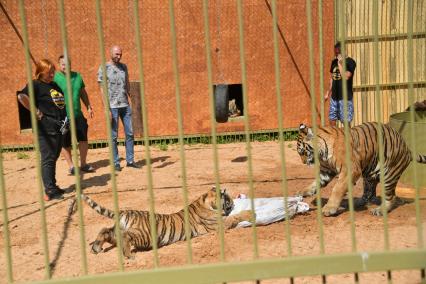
{"x":60,"y":190}
{"x":71,"y":171}
{"x":133,"y":165}
{"x":87,"y":168}
{"x":117,"y":168}
{"x":53,"y":195}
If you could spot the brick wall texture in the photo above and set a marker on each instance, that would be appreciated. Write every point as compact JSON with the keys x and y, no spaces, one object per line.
{"x":118,"y":28}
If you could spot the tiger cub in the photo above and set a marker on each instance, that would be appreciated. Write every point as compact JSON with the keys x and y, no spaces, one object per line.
{"x":135,"y":224}
{"x":364,"y":155}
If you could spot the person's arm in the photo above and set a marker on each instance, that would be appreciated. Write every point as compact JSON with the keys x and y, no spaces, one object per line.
{"x":25,"y":101}
{"x":328,"y":94}
{"x":340,"y":64}
{"x":104,"y":102}
{"x":85,"y":98}
{"x":127,"y":83}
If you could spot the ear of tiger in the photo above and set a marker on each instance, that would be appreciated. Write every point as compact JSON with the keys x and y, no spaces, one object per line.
{"x":222,"y":190}
{"x":303,"y":128}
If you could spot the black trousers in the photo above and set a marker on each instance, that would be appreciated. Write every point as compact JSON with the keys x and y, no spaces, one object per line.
{"x":50,"y":149}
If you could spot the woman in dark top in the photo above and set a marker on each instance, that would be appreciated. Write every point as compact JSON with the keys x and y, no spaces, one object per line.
{"x":50,"y":104}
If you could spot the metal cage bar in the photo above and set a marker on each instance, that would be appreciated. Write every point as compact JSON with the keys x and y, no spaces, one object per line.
{"x":321,"y":62}
{"x":73,"y":135}
{"x":265,"y":269}
{"x":346,"y":129}
{"x":354,"y":262}
{"x":284,"y":187}
{"x":420,"y":241}
{"x":45,"y":241}
{"x":146,"y":143}
{"x":247,"y":122}
{"x":109,"y":133}
{"x":6,"y":231}
{"x":213,"y":126}
{"x":180,"y":127}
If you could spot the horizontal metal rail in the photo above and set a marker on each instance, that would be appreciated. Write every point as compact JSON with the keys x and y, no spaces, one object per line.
{"x":266,"y":269}
{"x":387,"y":37}
{"x":289,"y":134}
{"x":389,"y":86}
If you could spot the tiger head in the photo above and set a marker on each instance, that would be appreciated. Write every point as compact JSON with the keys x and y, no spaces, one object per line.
{"x":305,"y":144}
{"x":227,"y":203}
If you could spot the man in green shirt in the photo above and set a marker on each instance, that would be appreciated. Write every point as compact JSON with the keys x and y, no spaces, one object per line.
{"x":78,"y":93}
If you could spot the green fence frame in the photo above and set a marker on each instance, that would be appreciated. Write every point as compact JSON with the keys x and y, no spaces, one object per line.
{"x":256,"y":269}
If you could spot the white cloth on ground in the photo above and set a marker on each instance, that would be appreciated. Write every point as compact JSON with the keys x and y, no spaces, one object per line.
{"x":269,"y":210}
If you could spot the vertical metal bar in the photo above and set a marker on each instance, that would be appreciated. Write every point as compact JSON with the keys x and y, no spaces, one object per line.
{"x":280,"y":124}
{"x":364,"y":60}
{"x":247,"y":121}
{"x":145,"y":133}
{"x":404,"y":65}
{"x":108,"y":124}
{"x":336,"y":16}
{"x":394,"y":58}
{"x":34,"y":122}
{"x":180,"y":126}
{"x":420,"y":242}
{"x":284,"y":187}
{"x":213,"y":125}
{"x":70,"y":108}
{"x":346,"y":129}
{"x":314,"y":126}
{"x":423,"y":29}
{"x":346,"y":126}
{"x":352,"y":18}
{"x":6,"y":231}
{"x":378,"y":108}
{"x":368,"y":115}
{"x":397,"y":52}
{"x":321,"y":62}
{"x":388,"y":66}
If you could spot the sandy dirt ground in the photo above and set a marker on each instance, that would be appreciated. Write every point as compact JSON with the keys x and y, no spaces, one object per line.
{"x":64,"y":237}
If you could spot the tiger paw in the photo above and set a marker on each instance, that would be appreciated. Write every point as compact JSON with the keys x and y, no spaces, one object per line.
{"x":130,"y":256}
{"x":328,"y":210}
{"x":96,"y":248}
{"x":376,"y":211}
{"x":375,"y":200}
{"x":245,"y":215}
{"x":359,"y":203}
{"x":309,"y":191}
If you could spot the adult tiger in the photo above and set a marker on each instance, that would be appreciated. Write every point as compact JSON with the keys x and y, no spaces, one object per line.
{"x":364,"y":154}
{"x":135,"y":224}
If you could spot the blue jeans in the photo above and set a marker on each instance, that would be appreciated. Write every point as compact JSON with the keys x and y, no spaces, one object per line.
{"x":337,"y":113}
{"x":125,"y":113}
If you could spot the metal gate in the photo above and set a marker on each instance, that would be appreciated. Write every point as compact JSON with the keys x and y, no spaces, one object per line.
{"x":374,"y":88}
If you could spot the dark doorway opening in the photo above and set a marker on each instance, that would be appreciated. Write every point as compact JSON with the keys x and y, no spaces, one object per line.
{"x":24,"y":117}
{"x":236,"y":104}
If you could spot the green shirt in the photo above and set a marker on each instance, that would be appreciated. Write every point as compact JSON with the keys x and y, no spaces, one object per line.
{"x":76,"y":85}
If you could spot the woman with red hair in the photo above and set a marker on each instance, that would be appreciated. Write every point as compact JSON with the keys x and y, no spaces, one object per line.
{"x":50,"y":105}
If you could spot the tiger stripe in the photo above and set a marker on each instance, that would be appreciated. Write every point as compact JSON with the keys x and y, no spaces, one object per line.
{"x":365,"y":161}
{"x":136,"y":229}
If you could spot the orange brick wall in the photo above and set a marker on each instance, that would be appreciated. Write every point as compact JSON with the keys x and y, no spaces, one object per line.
{"x":45,"y":41}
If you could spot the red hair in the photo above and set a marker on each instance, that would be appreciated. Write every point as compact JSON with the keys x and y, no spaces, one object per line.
{"x":43,"y":67}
